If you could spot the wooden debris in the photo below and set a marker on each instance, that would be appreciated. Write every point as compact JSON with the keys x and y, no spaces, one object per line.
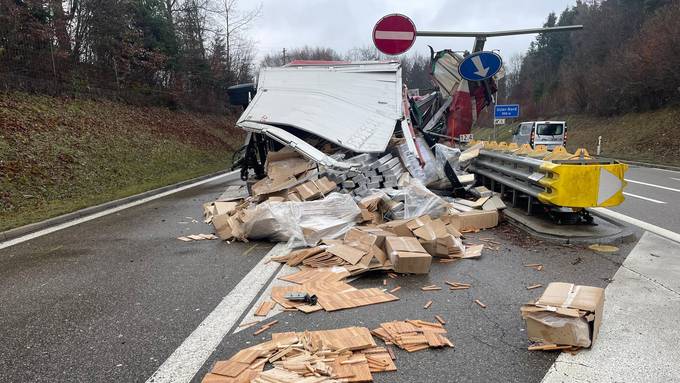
{"x":248,"y":324}
{"x":448,"y":260}
{"x":458,"y":285}
{"x":427,"y":305}
{"x":547,"y":347}
{"x":430,"y":288}
{"x":392,"y":275}
{"x":265,"y":308}
{"x":197,"y":237}
{"x":534,"y":286}
{"x":384,"y":282}
{"x":413,"y":335}
{"x":394,"y":290}
{"x":482,"y":305}
{"x":535,"y":266}
{"x":265,"y":327}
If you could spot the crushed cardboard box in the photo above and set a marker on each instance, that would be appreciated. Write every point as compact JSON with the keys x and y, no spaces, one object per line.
{"x":566,"y":315}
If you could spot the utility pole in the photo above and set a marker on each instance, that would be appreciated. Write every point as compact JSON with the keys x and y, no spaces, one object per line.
{"x":284,"y":57}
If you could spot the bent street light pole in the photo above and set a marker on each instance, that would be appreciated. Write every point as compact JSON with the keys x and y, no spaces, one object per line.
{"x":480,"y":37}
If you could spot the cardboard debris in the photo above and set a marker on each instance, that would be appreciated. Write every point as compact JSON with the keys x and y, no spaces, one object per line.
{"x":474,"y":220}
{"x":330,"y":289}
{"x":565,"y":314}
{"x":341,"y":355}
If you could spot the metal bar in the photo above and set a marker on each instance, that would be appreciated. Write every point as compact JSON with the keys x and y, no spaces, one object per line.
{"x":508,"y":181}
{"x":565,"y":28}
{"x":510,"y":172}
{"x":520,"y":160}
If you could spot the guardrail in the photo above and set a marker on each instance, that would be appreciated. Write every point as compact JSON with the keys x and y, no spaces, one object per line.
{"x":557,"y":178}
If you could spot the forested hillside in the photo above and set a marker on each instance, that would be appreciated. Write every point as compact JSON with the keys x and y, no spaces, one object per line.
{"x":61,"y":154}
{"x":624,"y":60}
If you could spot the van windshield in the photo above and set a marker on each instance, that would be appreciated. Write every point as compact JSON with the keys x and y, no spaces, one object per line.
{"x":549,"y":129}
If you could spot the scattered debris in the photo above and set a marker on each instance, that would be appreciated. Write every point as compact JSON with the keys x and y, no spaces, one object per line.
{"x":534,"y":286}
{"x":265,"y":327}
{"x":458,"y":285}
{"x":482,"y":305}
{"x":431,"y":288}
{"x":394,"y":290}
{"x":341,"y":355}
{"x":413,"y":335}
{"x":197,"y":237}
{"x":265,"y":308}
{"x":535,"y":266}
{"x":603,"y":248}
{"x":440,"y":319}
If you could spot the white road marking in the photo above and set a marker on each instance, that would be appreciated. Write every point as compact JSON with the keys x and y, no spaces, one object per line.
{"x":90,"y":217}
{"x":673,"y":236}
{"x":266,"y":296}
{"x":653,"y":185}
{"x":641,"y":197}
{"x":677,"y":179}
{"x":185,"y":362}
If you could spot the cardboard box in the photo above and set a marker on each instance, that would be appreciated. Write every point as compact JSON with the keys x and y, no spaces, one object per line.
{"x":398,"y":227}
{"x":380,"y":234}
{"x":315,"y":189}
{"x":474,"y":220}
{"x":566,"y":314}
{"x":407,"y":255}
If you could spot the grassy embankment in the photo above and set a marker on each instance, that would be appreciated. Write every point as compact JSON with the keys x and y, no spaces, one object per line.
{"x":652,"y":137}
{"x":58,"y":155}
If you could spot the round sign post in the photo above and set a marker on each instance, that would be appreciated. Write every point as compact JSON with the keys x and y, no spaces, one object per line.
{"x":394,"y":34}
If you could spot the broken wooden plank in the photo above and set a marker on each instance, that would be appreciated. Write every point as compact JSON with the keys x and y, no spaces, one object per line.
{"x":482,"y":305}
{"x":428,"y":305}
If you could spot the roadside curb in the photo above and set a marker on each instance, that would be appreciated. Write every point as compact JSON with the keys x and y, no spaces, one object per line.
{"x":648,"y":165}
{"x":34,"y":227}
{"x":624,"y":235}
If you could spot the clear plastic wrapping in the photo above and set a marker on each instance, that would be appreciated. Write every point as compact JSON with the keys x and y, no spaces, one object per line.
{"x":419,"y":200}
{"x":301,"y":223}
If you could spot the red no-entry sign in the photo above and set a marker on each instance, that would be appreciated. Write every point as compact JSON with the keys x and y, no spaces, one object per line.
{"x":394,"y":34}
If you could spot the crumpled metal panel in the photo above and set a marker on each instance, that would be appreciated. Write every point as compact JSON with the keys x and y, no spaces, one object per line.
{"x":297,"y":144}
{"x":356,"y":106}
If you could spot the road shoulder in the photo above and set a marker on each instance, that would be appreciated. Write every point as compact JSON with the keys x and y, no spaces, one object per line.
{"x":639,"y":335}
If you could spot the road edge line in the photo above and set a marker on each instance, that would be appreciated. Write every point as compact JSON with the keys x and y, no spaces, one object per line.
{"x":183,"y":364}
{"x":673,"y":236}
{"x":25,"y":233}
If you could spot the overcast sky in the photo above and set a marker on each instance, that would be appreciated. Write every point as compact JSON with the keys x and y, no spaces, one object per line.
{"x":343,"y":24}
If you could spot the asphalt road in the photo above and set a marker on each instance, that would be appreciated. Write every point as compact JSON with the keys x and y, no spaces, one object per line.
{"x":112,"y":299}
{"x":653,"y":196}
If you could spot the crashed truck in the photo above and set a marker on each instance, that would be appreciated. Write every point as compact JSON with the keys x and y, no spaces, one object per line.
{"x":356,"y":122}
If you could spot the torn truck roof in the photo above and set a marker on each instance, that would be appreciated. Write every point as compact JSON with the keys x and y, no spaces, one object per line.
{"x":355,"y":105}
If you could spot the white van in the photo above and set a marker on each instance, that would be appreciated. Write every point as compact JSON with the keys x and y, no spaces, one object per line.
{"x":548,"y":133}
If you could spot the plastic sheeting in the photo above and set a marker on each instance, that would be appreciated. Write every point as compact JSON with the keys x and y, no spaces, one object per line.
{"x":577,"y":327}
{"x":418,"y":200}
{"x":444,"y":154}
{"x":301,"y":223}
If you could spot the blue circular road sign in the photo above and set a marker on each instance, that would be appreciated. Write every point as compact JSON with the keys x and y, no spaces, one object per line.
{"x":480,"y":66}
